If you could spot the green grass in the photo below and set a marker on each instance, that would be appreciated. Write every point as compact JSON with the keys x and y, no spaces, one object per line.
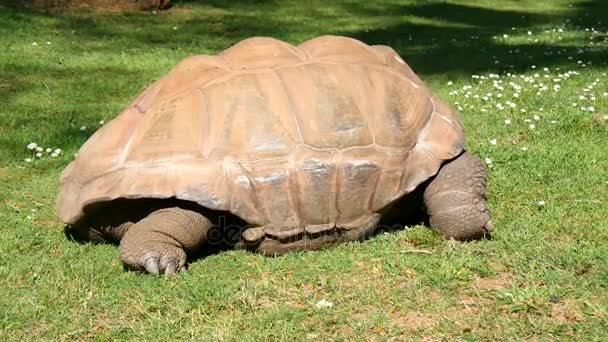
{"x":542,"y":276}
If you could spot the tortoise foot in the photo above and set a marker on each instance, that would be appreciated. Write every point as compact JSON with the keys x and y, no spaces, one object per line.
{"x":153,"y":257}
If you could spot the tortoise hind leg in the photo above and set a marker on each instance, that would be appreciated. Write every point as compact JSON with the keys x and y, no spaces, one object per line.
{"x":161,"y":242}
{"x":456,"y":199}
{"x":98,"y":231}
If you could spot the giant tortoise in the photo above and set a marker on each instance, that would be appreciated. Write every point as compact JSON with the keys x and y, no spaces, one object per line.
{"x":299,"y":148}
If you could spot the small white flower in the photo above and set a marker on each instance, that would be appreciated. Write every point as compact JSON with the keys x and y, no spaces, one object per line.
{"x":57,"y":151}
{"x":324,"y":303}
{"x":605,"y":94}
{"x":591,"y":109}
{"x":529,"y":33}
{"x":31,"y":146}
{"x":524,"y":148}
{"x":28,"y":160}
{"x":450,"y":83}
{"x":38,"y":154}
{"x":48,"y":43}
{"x":553,"y":121}
{"x":532,"y":126}
{"x":536,"y":117}
{"x":48,"y":150}
{"x":541,"y":203}
{"x":101,"y":122}
{"x":39,"y":149}
{"x":493,"y":142}
{"x":82,"y":128}
{"x":507,"y":121}
{"x":54,"y":155}
{"x":488,"y":161}
{"x":175,"y":27}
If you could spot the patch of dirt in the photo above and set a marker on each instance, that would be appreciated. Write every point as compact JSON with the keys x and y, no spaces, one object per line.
{"x":567,"y":311}
{"x":412,"y":321}
{"x":495,"y":283}
{"x":471,"y":306}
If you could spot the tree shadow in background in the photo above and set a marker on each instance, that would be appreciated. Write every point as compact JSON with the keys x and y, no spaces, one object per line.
{"x":470,"y":38}
{"x":434,"y":37}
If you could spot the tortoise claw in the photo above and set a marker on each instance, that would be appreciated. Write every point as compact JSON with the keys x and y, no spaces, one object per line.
{"x":151,"y":266}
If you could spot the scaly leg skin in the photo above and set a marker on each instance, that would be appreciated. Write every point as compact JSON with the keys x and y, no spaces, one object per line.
{"x":98,"y":231}
{"x":161,"y":242}
{"x":456,"y":199}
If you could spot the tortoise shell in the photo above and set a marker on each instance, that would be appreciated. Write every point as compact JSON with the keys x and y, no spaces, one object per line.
{"x":290,"y":139}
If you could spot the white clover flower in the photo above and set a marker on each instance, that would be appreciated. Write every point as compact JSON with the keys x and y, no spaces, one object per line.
{"x":493,"y":142}
{"x":57,"y":151}
{"x":605,"y":94}
{"x":532,"y":126}
{"x":324,"y":303}
{"x":507,"y":122}
{"x":38,"y":154}
{"x":175,"y":27}
{"x":450,"y":83}
{"x":101,"y":122}
{"x":524,"y":148}
{"x":553,"y":121}
{"x":28,"y":160}
{"x":529,"y":33}
{"x":39,"y":149}
{"x":31,"y":146}
{"x":591,"y":109}
{"x":82,"y":128}
{"x":48,"y":150}
{"x":541,"y":203}
{"x":536,"y":117}
{"x":54,"y":155}
{"x":488,"y":161}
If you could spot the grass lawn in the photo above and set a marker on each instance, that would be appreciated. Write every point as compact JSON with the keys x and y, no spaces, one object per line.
{"x":528,"y":76}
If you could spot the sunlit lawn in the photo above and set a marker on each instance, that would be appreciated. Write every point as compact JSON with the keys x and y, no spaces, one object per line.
{"x":529,"y":78}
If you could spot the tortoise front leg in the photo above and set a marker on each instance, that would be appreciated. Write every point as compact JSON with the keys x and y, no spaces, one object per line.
{"x":456,"y":199}
{"x":161,"y":242}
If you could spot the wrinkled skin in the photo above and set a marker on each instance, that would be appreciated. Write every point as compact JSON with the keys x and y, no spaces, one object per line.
{"x":160,"y":240}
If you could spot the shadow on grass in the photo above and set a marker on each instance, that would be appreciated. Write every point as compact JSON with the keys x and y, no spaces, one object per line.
{"x":467,"y":39}
{"x":434,"y":37}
